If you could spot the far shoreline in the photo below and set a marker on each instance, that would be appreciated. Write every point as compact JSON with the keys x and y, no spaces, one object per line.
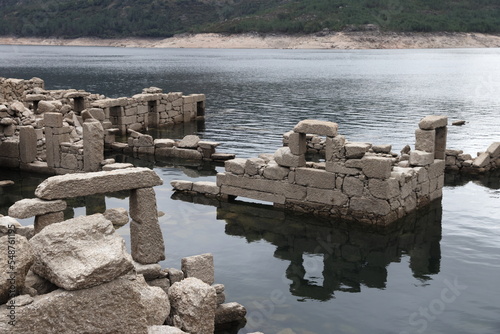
{"x":328,"y":40}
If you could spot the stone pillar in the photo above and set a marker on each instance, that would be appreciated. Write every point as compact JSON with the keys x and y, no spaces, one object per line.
{"x":425,"y":140}
{"x":93,"y":145}
{"x":297,"y":143}
{"x":27,"y":144}
{"x":440,"y":149}
{"x":437,"y":124}
{"x":53,"y":123}
{"x":145,"y":234}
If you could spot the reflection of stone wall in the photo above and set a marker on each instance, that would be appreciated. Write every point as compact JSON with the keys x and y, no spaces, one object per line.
{"x":349,"y":256}
{"x":357,"y":181}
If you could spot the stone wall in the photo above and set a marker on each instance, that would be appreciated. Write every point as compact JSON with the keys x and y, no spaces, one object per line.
{"x":191,"y":147}
{"x":16,"y":89}
{"x":486,"y":161}
{"x":357,"y":181}
{"x":152,"y":110}
{"x":65,"y":131}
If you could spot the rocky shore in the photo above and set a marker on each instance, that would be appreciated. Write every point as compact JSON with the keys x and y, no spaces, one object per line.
{"x":321,"y":40}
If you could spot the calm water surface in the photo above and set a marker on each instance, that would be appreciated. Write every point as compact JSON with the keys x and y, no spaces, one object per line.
{"x":435,"y":272}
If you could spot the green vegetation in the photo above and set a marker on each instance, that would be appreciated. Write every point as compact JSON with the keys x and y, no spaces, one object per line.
{"x":163,"y":18}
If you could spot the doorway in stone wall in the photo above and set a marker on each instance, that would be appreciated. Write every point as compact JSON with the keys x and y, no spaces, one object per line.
{"x":200,"y":109}
{"x":153,"y":116}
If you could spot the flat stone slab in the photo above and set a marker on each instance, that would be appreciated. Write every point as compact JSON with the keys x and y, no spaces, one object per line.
{"x":311,"y":126}
{"x":6,"y":183}
{"x":200,"y":267}
{"x":117,"y":165}
{"x":223,"y":156}
{"x":31,"y":207}
{"x":432,"y":122}
{"x":494,"y":150}
{"x":74,"y":185}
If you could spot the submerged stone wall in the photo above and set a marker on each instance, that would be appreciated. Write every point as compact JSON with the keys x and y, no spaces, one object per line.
{"x":151,"y":109}
{"x":16,"y":89}
{"x":65,"y":131}
{"x":486,"y":161}
{"x":357,"y":181}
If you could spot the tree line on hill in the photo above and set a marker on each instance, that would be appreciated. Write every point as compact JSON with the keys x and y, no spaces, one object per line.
{"x":164,"y":18}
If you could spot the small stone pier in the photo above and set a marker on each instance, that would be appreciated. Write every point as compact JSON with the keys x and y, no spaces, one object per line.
{"x":357,"y":181}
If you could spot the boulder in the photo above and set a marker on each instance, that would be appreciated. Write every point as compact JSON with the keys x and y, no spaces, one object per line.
{"x":236,"y":166}
{"x":284,"y":157}
{"x":229,"y":312}
{"x":356,"y":150}
{"x":386,"y":149}
{"x":273,"y":171}
{"x":44,"y":107}
{"x":117,"y":216}
{"x":175,"y":275}
{"x":190,"y":141}
{"x":124,"y":305}
{"x":80,"y":253}
{"x":182,"y":185}
{"x":193,"y":305}
{"x":30,"y":207}
{"x":149,"y":271}
{"x":16,"y":258}
{"x":253,"y":166}
{"x":199,"y":266}
{"x":8,"y":225}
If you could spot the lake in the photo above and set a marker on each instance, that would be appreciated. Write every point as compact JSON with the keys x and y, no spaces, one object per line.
{"x":434,"y":272}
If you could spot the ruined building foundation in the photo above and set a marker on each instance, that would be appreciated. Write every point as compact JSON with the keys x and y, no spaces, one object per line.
{"x":357,"y":181}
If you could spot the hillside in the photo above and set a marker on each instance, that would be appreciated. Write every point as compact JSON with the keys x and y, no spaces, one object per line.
{"x":164,"y":18}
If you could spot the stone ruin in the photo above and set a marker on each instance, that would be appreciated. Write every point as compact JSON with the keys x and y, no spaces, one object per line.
{"x":67,"y":131}
{"x":457,"y":161}
{"x":191,"y":147}
{"x":357,"y":181}
{"x":75,"y":276}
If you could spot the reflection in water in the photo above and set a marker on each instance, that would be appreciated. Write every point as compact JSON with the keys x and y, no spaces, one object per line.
{"x":489,"y":180}
{"x":349,"y":254}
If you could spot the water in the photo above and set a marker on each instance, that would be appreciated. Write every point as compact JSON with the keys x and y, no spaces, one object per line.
{"x":435,"y":272}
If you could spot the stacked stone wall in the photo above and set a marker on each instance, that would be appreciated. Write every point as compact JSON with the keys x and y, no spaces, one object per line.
{"x":357,"y":181}
{"x":16,"y":89}
{"x":486,"y":161}
{"x":65,"y":131}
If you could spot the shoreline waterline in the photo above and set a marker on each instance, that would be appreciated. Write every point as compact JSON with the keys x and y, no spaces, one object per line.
{"x":334,"y":41}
